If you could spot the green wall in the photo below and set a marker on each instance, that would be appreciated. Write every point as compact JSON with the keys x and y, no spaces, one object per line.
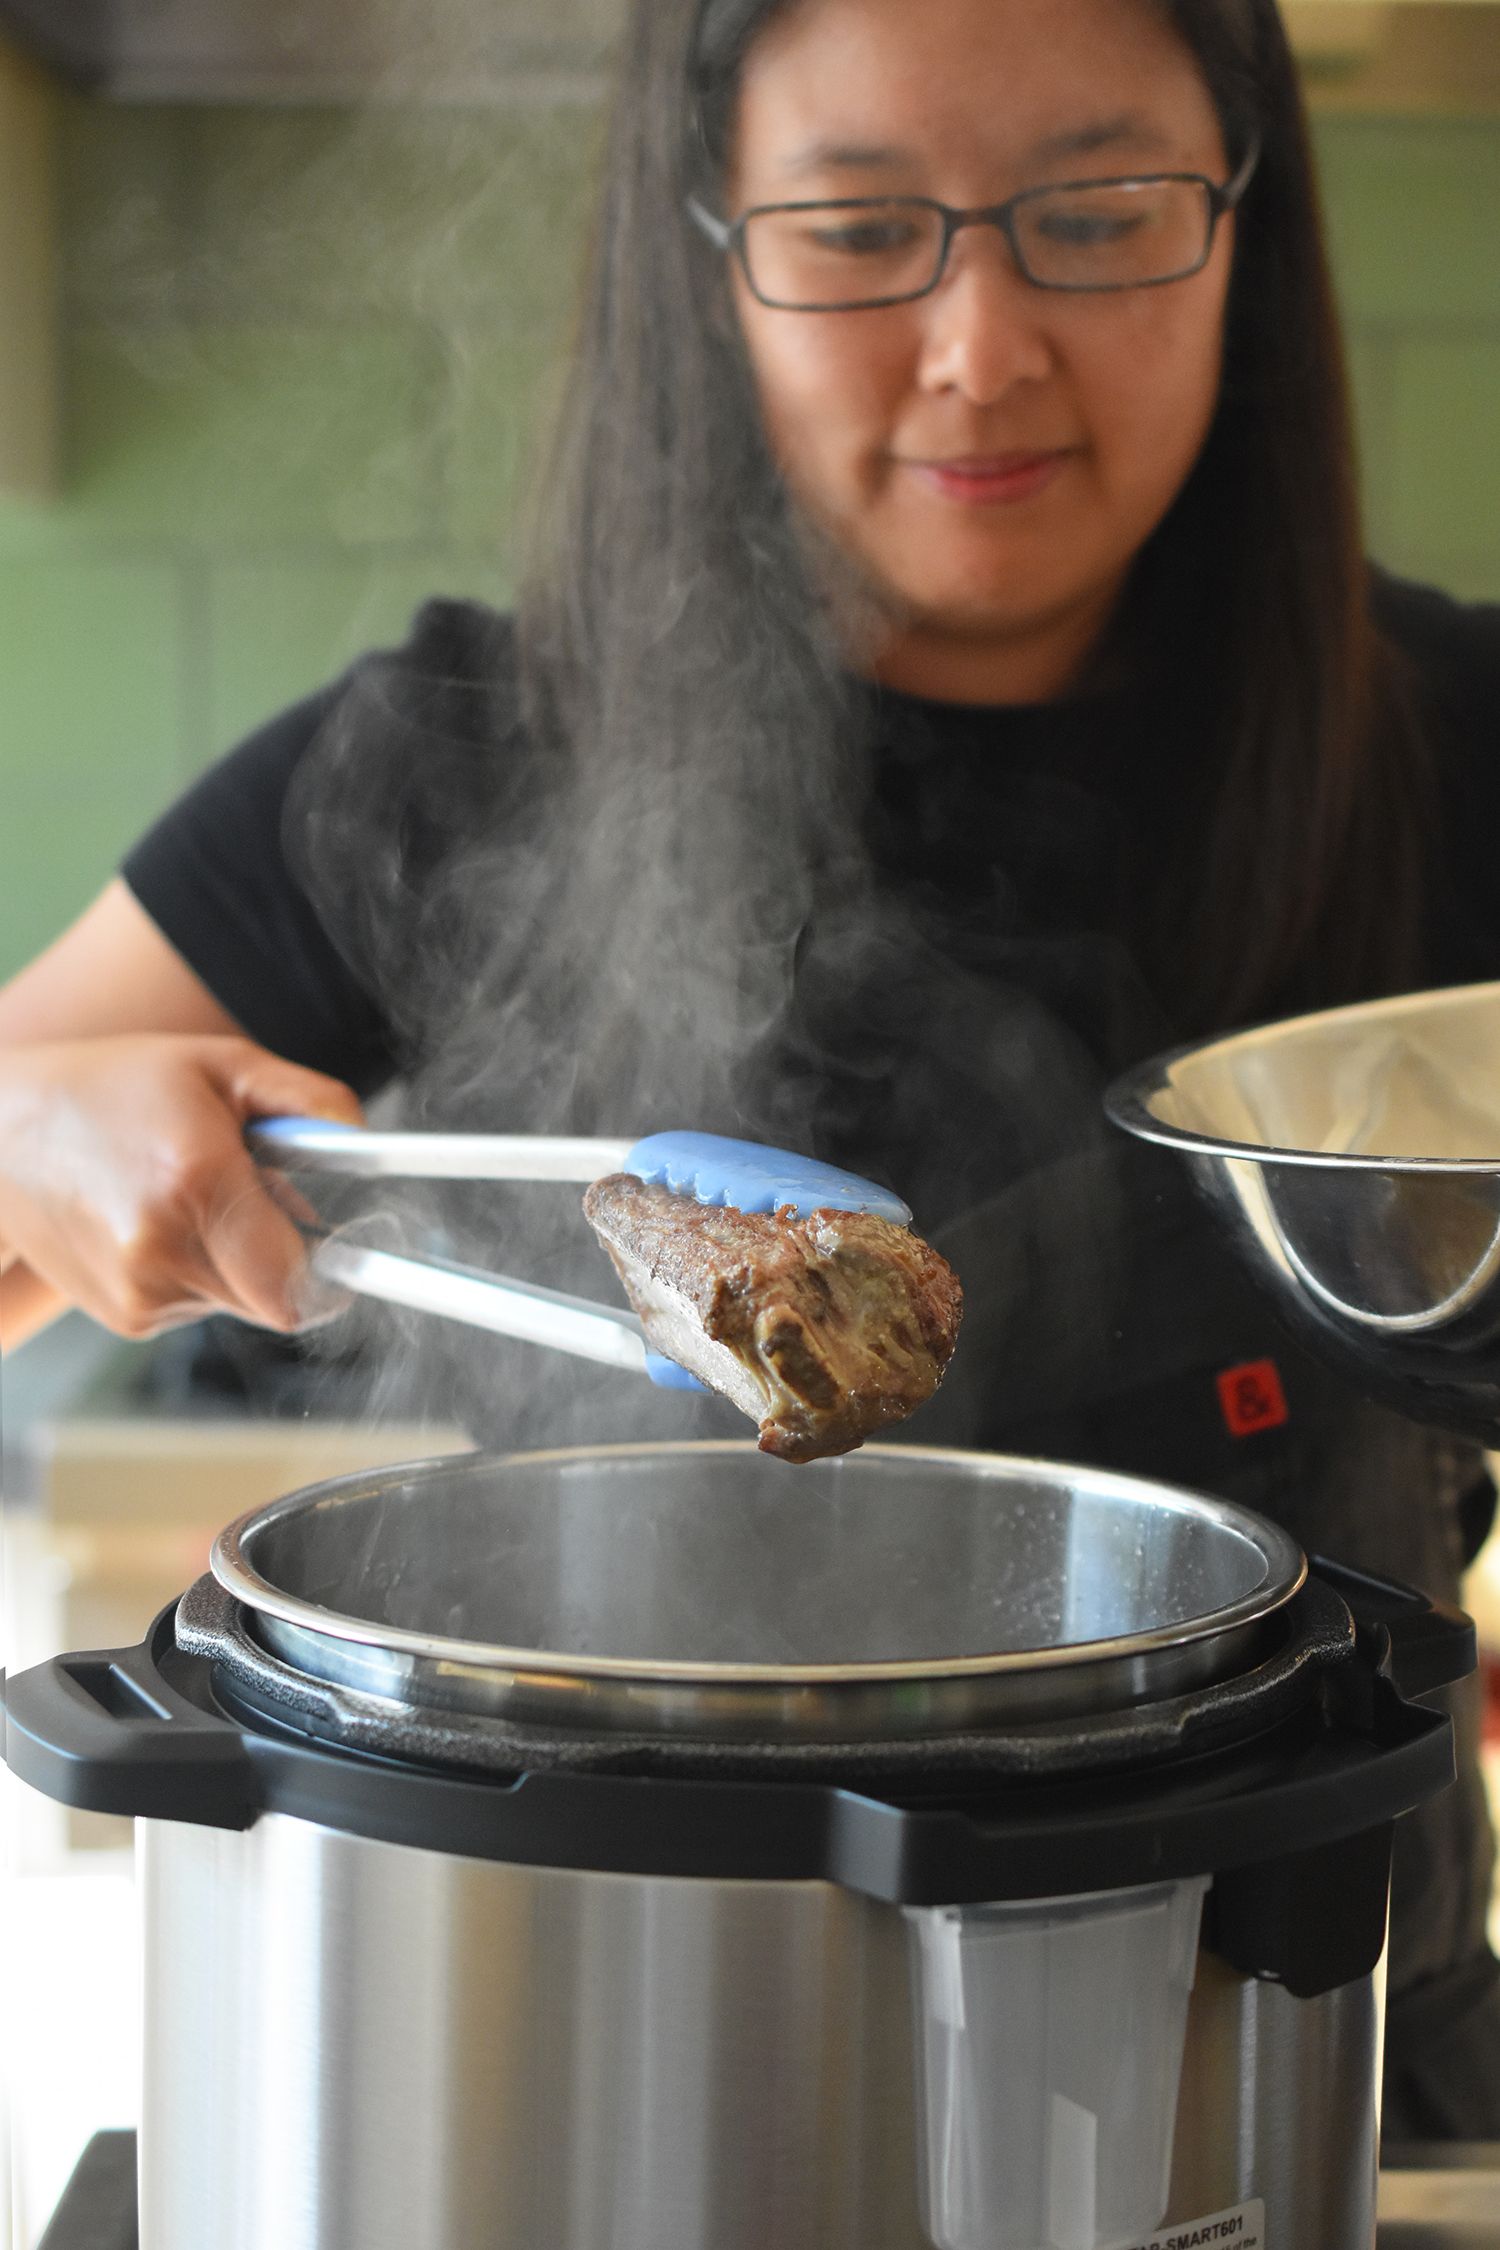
{"x":1413,"y":210}
{"x":304,"y":353}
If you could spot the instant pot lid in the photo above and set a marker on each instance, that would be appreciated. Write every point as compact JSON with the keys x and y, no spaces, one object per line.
{"x":702,"y":1590}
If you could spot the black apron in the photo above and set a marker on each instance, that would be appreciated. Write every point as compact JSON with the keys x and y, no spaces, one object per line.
{"x":1108,"y":1322}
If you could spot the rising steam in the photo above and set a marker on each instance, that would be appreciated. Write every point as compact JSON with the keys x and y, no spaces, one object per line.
{"x":635,"y":871}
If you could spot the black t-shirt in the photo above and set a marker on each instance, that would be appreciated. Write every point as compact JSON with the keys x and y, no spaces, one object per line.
{"x":213,"y":874}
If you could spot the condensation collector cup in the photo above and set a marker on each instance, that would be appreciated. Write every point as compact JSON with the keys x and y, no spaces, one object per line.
{"x":1049,"y":2047}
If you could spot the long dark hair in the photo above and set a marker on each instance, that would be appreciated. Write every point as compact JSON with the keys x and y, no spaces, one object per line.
{"x":1294,"y":868}
{"x":1300,"y":864}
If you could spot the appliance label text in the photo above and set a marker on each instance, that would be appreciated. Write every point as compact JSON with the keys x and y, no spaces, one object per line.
{"x":1243,"y":2228}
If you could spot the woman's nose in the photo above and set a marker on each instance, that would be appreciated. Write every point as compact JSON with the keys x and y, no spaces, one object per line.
{"x":985,"y":327}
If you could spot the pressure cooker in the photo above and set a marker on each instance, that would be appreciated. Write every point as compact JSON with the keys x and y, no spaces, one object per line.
{"x":655,"y":1848}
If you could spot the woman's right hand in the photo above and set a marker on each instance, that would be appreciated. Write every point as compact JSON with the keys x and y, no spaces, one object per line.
{"x":125,"y":1183}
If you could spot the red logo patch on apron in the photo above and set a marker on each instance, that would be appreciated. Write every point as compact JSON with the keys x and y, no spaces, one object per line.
{"x":1252,"y":1399}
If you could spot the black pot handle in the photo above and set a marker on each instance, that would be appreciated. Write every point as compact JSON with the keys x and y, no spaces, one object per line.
{"x":106,"y":1732}
{"x":1428,"y":1644}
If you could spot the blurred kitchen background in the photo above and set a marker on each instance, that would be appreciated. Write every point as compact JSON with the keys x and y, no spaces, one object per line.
{"x":270,"y":365}
{"x":279,"y":311}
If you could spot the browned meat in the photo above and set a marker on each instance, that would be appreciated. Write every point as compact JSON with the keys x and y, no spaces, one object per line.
{"x":822,"y":1330}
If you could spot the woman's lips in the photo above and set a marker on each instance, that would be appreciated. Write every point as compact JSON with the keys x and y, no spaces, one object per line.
{"x":983,"y":479}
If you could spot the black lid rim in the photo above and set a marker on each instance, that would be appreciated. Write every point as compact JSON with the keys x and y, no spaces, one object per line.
{"x":149,"y":1732}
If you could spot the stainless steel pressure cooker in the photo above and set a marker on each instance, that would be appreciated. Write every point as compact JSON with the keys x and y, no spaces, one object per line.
{"x":653,"y":1848}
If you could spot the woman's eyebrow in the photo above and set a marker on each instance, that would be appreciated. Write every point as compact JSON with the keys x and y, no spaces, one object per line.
{"x":1126,"y":131}
{"x":1108,"y":132}
{"x":852,"y":156}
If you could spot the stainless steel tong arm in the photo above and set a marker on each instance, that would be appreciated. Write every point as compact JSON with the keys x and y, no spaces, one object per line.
{"x":492,"y":1301}
{"x":486,"y":1300}
{"x":315,"y":1145}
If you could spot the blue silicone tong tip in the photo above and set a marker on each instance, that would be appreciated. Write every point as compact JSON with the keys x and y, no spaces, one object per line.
{"x":747,"y":1176}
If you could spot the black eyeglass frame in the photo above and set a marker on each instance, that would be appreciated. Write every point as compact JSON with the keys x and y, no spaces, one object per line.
{"x":1223,"y":197}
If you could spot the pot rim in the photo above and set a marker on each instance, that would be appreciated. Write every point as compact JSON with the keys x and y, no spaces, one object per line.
{"x":1284,"y":1574}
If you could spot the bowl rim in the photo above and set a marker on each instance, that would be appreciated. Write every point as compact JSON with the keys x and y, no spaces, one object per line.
{"x":1128,"y":1102}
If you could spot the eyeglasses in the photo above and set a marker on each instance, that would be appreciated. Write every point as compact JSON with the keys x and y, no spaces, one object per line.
{"x":1081,"y":235}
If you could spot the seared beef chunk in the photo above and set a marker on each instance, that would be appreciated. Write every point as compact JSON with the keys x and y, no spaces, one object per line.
{"x":822,"y":1330}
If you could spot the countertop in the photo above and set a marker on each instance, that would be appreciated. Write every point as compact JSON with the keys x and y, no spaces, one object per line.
{"x":1430,"y":2199}
{"x":1443,"y":2198}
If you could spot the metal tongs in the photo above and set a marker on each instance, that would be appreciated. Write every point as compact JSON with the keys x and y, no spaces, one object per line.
{"x":715,"y":1171}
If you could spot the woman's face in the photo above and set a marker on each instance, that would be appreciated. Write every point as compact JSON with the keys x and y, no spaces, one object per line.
{"x":993,"y":456}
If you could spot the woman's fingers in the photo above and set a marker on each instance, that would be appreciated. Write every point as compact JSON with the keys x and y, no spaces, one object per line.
{"x":262,"y":1085}
{"x":135,"y":1306}
{"x":259,"y":1258}
{"x":256,"y":1252}
{"x":139,"y":1277}
{"x":126,"y":1186}
{"x":269,"y":1268}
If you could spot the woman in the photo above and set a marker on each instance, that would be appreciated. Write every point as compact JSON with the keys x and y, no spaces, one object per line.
{"x":948,"y":671}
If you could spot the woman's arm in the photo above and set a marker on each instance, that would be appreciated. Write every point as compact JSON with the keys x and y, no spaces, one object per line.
{"x":112,"y":972}
{"x":125,"y":1186}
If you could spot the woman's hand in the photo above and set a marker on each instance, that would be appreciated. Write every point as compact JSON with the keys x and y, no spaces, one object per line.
{"x":126,"y":1186}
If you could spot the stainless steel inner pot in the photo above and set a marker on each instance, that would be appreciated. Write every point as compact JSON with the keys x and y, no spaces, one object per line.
{"x":705,"y":1590}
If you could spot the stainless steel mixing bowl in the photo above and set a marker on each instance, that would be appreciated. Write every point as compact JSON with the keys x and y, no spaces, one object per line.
{"x":1355,"y":1156}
